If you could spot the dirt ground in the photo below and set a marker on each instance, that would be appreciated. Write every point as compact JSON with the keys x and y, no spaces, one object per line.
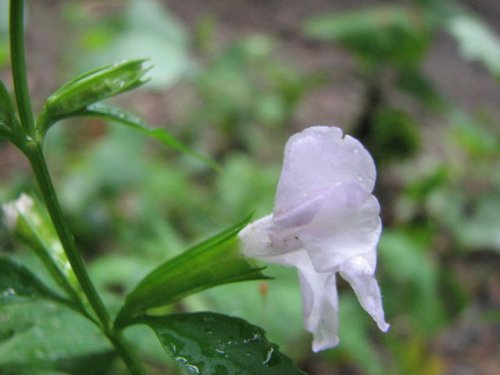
{"x":467,"y":84}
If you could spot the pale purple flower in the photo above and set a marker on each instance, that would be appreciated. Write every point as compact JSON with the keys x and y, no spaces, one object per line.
{"x":325,"y":221}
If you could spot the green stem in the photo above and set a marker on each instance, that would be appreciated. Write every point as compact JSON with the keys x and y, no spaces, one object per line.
{"x":19,"y":66}
{"x":32,"y":147}
{"x":128,"y":356}
{"x":39,"y":166}
{"x":42,"y":175}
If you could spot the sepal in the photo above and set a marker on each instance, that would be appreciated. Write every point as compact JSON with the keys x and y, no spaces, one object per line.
{"x":9,"y":124}
{"x":28,"y":220}
{"x":215,"y":261}
{"x":91,"y":87}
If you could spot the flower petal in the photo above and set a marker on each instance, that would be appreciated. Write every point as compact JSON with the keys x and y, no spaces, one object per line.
{"x":254,"y":238}
{"x":283,"y":231}
{"x":320,"y":307}
{"x":359,"y":272}
{"x":325,"y":221}
{"x":319,"y":291}
{"x":347,"y":225}
{"x":319,"y":298}
{"x":317,"y":158}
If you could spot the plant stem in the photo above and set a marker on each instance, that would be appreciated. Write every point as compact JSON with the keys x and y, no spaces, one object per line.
{"x":39,"y":166}
{"x":41,"y":172}
{"x":33,"y":149}
{"x":19,"y":66}
{"x":128,"y":356}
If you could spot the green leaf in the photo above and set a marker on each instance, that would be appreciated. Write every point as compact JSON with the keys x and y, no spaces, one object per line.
{"x":120,"y":116}
{"x":215,"y":261}
{"x":16,"y":282}
{"x":33,"y":371}
{"x":7,"y":117}
{"x":9,"y":125}
{"x":376,"y":34}
{"x":395,"y":135}
{"x":414,"y":82}
{"x":92,"y":87}
{"x":417,"y":276}
{"x":354,"y":330}
{"x":146,"y":29}
{"x":259,"y":303}
{"x":342,"y":25}
{"x":474,"y":222}
{"x":35,"y":332}
{"x":476,"y":41}
{"x":209,"y":343}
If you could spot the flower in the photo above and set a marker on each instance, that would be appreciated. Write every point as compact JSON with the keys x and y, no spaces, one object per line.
{"x":325,"y":221}
{"x":12,"y":210}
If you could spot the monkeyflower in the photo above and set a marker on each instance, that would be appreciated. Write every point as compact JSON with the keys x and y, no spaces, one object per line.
{"x":325,"y":221}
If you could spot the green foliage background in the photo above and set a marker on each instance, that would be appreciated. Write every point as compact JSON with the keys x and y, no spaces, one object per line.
{"x":132,"y":203}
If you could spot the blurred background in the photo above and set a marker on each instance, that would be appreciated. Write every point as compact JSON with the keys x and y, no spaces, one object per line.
{"x":416,"y":81}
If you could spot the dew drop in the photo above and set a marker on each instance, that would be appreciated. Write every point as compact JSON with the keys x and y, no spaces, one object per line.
{"x":268,"y":358}
{"x":181,"y":360}
{"x":255,"y":337}
{"x":193,"y":369}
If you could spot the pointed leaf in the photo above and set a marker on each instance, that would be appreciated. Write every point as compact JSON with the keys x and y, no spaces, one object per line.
{"x":210,"y":343}
{"x":9,"y":125}
{"x":90,"y":88}
{"x":17,"y":282}
{"x":10,"y":128}
{"x":120,"y":116}
{"x":213,"y":262}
